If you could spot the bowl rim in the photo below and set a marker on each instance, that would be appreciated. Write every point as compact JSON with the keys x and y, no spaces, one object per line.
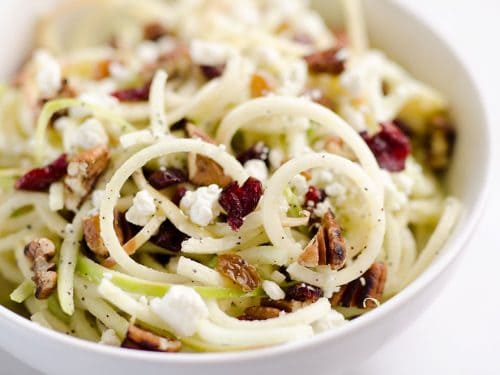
{"x":450,"y":252}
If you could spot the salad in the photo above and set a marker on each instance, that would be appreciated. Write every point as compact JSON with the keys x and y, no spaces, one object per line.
{"x":201,"y":175}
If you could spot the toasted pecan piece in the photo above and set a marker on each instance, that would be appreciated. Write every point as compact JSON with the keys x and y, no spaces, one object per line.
{"x":234,"y":267}
{"x":327,"y":247}
{"x":260,"y":313}
{"x":138,"y":338}
{"x":82,"y":173}
{"x":40,"y":252}
{"x":364,"y":292}
{"x":331,"y":61}
{"x":203,"y":170}
{"x":92,"y":234}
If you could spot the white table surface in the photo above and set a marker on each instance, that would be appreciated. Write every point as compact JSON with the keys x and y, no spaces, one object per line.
{"x":460,"y":333}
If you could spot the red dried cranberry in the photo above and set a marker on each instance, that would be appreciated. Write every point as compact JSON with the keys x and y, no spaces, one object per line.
{"x":40,"y":179}
{"x":390,"y":146}
{"x":315,"y":195}
{"x":169,"y":237}
{"x":258,"y":151}
{"x":179,"y":193}
{"x":165,"y":177}
{"x":304,"y":292}
{"x":134,"y":94}
{"x":240,"y":201}
{"x":331,"y":61}
{"x":212,"y":71}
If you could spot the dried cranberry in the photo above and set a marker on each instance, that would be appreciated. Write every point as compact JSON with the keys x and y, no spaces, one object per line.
{"x":304,"y":292}
{"x":179,"y":193}
{"x":315,"y":195}
{"x":39,"y":179}
{"x":258,"y":151}
{"x":134,"y":94}
{"x":212,"y":71}
{"x":390,"y":146}
{"x":240,"y":201}
{"x":331,"y":61}
{"x":165,"y":177}
{"x":169,"y":237}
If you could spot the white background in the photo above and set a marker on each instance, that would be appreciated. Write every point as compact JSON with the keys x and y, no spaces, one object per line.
{"x":460,"y":333}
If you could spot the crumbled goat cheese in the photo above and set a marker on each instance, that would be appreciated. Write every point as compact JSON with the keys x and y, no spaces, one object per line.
{"x":299,"y":185}
{"x":322,"y":208}
{"x":67,"y":128}
{"x":99,"y":99}
{"x":273,"y":290}
{"x":120,"y":72}
{"x":256,"y":168}
{"x":97,"y":197}
{"x":143,"y":208}
{"x":209,"y":53}
{"x":182,"y":309}
{"x":395,"y":199}
{"x":276,"y":157}
{"x":294,"y":79}
{"x":48,"y":75}
{"x":110,"y":338}
{"x":202,"y":205}
{"x":352,"y":82}
{"x":332,"y":320}
{"x":321,"y":177}
{"x":147,"y":52}
{"x":337,"y":191}
{"x":56,"y":196}
{"x":89,"y":134}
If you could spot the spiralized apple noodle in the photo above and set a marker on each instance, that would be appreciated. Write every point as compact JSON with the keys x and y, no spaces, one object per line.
{"x":314,"y":125}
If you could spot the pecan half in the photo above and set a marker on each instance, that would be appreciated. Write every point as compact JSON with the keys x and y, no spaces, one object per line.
{"x":82,"y":173}
{"x":327,"y":247}
{"x":260,"y":313}
{"x":40,"y":252}
{"x":92,"y":234}
{"x":440,"y":142}
{"x":138,"y":338}
{"x":202,"y":170}
{"x":239,"y":271}
{"x":364,"y":292}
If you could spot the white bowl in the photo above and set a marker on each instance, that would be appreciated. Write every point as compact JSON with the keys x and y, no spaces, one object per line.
{"x":409,"y":41}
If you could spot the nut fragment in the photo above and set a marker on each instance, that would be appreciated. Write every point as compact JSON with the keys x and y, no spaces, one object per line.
{"x":138,"y":338}
{"x":239,"y":271}
{"x":331,"y":61}
{"x":440,"y":142}
{"x":92,"y":234}
{"x":82,"y":173}
{"x":154,"y":31}
{"x":260,"y":313}
{"x":364,"y":292}
{"x":40,"y":252}
{"x":202,"y":170}
{"x":327,"y":247}
{"x":286,"y":305}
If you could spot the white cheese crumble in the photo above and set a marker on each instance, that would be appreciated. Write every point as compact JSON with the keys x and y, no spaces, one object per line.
{"x":96,"y":98}
{"x":322,"y":208}
{"x":332,"y":320}
{"x":120,"y":72}
{"x":67,"y":128}
{"x":337,"y":191}
{"x":56,"y":196}
{"x":299,"y":185}
{"x":48,"y":75}
{"x":147,"y":52}
{"x":97,"y":197}
{"x":273,"y":290}
{"x":89,"y":134}
{"x":395,"y":199}
{"x":256,"y":168}
{"x":202,"y":205}
{"x":276,"y":157}
{"x":182,"y":308}
{"x":209,"y":53}
{"x":143,"y":208}
{"x":110,"y":338}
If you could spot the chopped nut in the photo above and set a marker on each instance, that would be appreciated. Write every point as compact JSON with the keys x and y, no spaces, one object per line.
{"x":440,"y":142}
{"x":202,"y":170}
{"x":260,"y":85}
{"x":239,"y":271}
{"x":154,"y":31}
{"x":39,"y":252}
{"x":286,"y":305}
{"x":327,"y":247}
{"x":92,"y":234}
{"x":82,"y":173}
{"x":331,"y":61}
{"x":260,"y":313}
{"x":138,"y":338}
{"x":363,"y":294}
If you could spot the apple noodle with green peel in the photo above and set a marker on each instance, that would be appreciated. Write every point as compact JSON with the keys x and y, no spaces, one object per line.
{"x":215,"y":175}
